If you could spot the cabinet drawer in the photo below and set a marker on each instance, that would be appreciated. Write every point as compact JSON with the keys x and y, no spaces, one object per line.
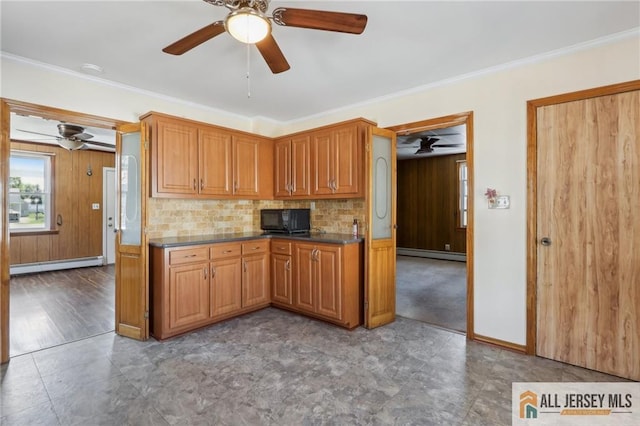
{"x":257,"y":246}
{"x":189,"y":255}
{"x":280,"y":247}
{"x":222,"y":251}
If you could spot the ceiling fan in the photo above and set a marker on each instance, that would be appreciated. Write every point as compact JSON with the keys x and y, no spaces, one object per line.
{"x":72,"y":137}
{"x":427,"y":145}
{"x":249,"y":23}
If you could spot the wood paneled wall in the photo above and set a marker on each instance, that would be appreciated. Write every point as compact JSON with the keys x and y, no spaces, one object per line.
{"x":428,"y":204}
{"x":80,"y":234}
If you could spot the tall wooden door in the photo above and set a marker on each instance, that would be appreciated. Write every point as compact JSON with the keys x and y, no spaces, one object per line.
{"x":132,"y":280}
{"x":588,"y":233}
{"x":380,"y":234}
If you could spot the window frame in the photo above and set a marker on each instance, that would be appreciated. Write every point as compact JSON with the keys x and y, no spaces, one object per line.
{"x":47,"y":191}
{"x":462,"y":172}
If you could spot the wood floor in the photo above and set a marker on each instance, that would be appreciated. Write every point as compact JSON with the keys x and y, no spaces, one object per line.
{"x":51,"y":308}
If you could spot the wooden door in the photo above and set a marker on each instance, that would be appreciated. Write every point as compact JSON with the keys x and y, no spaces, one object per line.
{"x":328,"y":280}
{"x":214,"y":162}
{"x":304,"y":294}
{"x":226,"y":286}
{"x":281,"y":279}
{"x":132,"y":278}
{"x":188,"y":294}
{"x":282,"y":166}
{"x":246,"y":162}
{"x":588,"y":198}
{"x":176,"y":157}
{"x":380,"y":232}
{"x":300,"y":176}
{"x":255,"y":280}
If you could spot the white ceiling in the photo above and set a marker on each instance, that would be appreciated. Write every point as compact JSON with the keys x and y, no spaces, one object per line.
{"x":406,"y":45}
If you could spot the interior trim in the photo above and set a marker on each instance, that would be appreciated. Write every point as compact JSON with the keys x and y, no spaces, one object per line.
{"x":56,"y":265}
{"x":442,"y":123}
{"x":501,"y":343}
{"x":432,"y":254}
{"x":7,"y":106}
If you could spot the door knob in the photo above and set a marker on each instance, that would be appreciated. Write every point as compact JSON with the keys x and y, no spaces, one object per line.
{"x":545,"y":241}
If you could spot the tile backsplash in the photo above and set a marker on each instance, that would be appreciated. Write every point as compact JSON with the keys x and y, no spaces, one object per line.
{"x":175,"y":217}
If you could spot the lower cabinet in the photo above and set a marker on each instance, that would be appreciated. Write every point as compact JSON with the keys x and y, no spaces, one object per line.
{"x":194,"y":286}
{"x":324,"y":281}
{"x":197,"y":285}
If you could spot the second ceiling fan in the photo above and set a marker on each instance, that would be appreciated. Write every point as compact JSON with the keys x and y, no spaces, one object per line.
{"x":248,"y":22}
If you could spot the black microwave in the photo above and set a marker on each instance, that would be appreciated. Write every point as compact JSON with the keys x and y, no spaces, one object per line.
{"x":285,"y":220}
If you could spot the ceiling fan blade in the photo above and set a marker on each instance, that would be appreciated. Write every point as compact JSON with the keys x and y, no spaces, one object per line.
{"x":195,"y":39}
{"x":82,"y":136}
{"x":96,"y":143}
{"x":447,"y":145}
{"x":320,"y":20}
{"x":37,"y":133}
{"x":272,"y":54}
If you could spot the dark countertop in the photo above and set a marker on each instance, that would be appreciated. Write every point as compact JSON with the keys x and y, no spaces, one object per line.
{"x":191,"y":240}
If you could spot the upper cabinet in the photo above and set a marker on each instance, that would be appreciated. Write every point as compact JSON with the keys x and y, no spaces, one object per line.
{"x":292,"y":167}
{"x":327,"y":162}
{"x":196,"y":160}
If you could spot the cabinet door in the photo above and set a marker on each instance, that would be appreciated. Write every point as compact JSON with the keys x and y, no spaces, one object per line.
{"x":282,"y":166}
{"x":215,"y":166}
{"x":226,"y":288}
{"x":300,"y":175}
{"x":322,"y":172}
{"x":329,"y":281}
{"x":347,"y":159}
{"x":303,"y":272}
{"x":255,"y":280}
{"x":175,"y":157}
{"x":246,"y":166}
{"x":188,"y":294}
{"x":281,"y":279}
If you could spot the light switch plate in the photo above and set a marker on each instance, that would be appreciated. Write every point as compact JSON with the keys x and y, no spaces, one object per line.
{"x":501,"y":202}
{"x":95,"y":206}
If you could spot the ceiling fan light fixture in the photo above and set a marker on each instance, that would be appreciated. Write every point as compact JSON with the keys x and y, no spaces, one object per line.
{"x":247,"y":25}
{"x":70,"y":144}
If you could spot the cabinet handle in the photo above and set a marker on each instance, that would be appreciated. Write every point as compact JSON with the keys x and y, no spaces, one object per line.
{"x":245,"y":265}
{"x":194,"y":184}
{"x":201,"y":183}
{"x":213,"y":272}
{"x":190,"y":255}
{"x":256,"y":248}
{"x":235,"y":185}
{"x":206,"y":271}
{"x":227,"y":251}
{"x":287,"y":265}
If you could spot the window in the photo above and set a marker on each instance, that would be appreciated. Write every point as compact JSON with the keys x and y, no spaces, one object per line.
{"x":29,"y":191}
{"x":462,"y":194}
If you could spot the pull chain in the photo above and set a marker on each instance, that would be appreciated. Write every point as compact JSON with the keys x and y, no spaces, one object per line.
{"x":248,"y":67}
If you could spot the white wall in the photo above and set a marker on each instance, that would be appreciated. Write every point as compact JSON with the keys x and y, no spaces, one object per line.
{"x":497,"y":98}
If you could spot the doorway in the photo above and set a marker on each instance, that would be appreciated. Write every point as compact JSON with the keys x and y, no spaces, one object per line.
{"x":435,"y":285}
{"x":6,"y":108}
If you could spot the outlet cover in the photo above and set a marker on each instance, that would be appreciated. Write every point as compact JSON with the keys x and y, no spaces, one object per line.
{"x":501,"y":202}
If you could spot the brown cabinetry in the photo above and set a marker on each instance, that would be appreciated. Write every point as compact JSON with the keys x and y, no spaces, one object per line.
{"x":281,"y":265}
{"x":198,"y":285}
{"x":292,"y":167}
{"x":196,"y":160}
{"x":325,"y":281}
{"x":327,"y":162}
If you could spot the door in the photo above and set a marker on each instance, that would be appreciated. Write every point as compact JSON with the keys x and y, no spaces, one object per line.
{"x":255,"y":280}
{"x":246,"y":166}
{"x":328,"y":278}
{"x":132,"y":281}
{"x":214,"y":162}
{"x":188,"y":294}
{"x":588,"y":198}
{"x":380,"y":235}
{"x":304,"y":278}
{"x":109,"y":214}
{"x":226,"y":286}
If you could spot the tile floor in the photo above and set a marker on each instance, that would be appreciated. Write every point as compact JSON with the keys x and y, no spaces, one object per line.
{"x":274,"y":368}
{"x":433,"y":291}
